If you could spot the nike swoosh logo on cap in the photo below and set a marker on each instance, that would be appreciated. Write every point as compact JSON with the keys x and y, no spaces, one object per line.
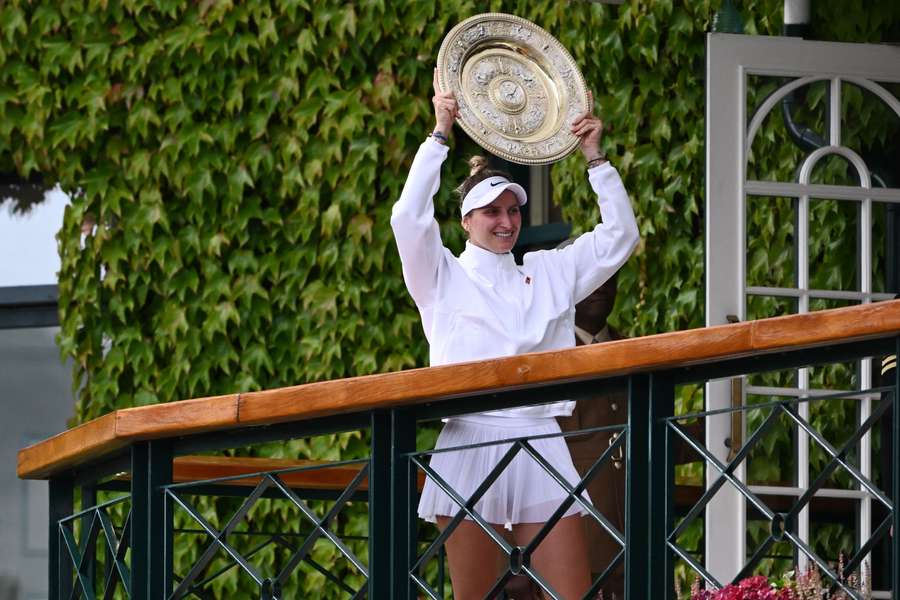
{"x":496,"y":183}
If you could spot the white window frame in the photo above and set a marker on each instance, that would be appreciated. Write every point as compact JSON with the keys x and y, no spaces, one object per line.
{"x":730,"y":60}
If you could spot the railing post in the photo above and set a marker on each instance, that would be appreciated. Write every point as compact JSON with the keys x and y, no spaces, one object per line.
{"x":60,"y":567}
{"x":403,"y":499}
{"x":662,"y":486}
{"x":637,"y":489}
{"x":895,"y":478}
{"x":88,"y":545}
{"x":379,"y":506}
{"x":151,"y":528}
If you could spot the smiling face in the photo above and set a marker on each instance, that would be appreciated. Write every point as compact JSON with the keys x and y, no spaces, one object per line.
{"x":495,"y":227}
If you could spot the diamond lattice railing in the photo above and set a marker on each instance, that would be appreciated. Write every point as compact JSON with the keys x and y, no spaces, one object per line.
{"x":271,"y":485}
{"x":519,"y":557}
{"x":94,"y":543}
{"x":782,"y":524}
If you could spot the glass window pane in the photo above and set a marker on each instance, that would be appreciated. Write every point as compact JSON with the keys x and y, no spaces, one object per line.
{"x":773,"y":155}
{"x":833,"y":244}
{"x":771,"y":241}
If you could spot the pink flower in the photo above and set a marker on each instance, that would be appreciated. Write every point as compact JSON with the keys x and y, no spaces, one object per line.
{"x":751,"y":588}
{"x":755,"y":583}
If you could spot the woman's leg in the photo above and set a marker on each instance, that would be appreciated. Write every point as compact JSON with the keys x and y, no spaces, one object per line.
{"x":475,"y":559}
{"x":561,"y":558}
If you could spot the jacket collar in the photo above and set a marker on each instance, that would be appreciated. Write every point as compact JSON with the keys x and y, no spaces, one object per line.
{"x":485,"y":261}
{"x":586,"y":338}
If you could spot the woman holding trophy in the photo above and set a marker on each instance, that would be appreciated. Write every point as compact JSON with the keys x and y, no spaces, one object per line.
{"x":482,"y":305}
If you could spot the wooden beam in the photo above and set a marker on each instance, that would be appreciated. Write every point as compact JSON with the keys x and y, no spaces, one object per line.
{"x":64,"y":450}
{"x":825,"y":327}
{"x":178,"y":418}
{"x":116,"y":430}
{"x":329,"y":477}
{"x":449,"y":381}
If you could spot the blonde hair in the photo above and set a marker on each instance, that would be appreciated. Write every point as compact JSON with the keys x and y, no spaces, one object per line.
{"x":477,"y":164}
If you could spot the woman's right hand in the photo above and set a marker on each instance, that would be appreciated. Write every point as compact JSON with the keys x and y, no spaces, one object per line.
{"x":589,"y":129}
{"x":445,"y":108}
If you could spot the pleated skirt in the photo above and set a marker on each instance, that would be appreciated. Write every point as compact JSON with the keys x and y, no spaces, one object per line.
{"x":523,"y":493}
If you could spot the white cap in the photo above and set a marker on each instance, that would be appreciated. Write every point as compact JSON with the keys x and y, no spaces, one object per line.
{"x":489,"y":190}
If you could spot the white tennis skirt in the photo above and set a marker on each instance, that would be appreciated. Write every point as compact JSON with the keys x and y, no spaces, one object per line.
{"x":523,"y":493}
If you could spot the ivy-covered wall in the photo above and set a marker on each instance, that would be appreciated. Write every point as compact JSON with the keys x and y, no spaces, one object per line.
{"x":233,"y":165}
{"x":240,"y":161}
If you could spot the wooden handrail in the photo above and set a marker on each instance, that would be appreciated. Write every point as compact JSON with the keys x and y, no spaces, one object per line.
{"x":118,"y":429}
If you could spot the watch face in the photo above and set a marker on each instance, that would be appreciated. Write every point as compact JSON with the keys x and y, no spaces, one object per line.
{"x":517,"y":88}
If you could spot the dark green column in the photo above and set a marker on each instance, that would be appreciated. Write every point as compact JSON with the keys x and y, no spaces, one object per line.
{"x":380,"y":506}
{"x":404,"y":493}
{"x":88,"y":542}
{"x":662,"y":487}
{"x":151,"y":525}
{"x":637,"y":489}
{"x":60,"y":567}
{"x":895,"y":478}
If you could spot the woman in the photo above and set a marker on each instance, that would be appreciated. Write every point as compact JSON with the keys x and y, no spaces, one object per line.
{"x":482,"y":305}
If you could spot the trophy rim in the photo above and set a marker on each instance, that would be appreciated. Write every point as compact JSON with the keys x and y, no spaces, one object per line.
{"x":471,"y":129}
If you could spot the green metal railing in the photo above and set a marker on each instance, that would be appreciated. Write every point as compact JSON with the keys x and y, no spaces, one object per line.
{"x":138,"y":559}
{"x":519,"y":557}
{"x":782,"y":525}
{"x":270,"y":481}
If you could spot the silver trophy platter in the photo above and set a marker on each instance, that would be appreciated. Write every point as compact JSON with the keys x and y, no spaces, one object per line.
{"x":517,"y":87}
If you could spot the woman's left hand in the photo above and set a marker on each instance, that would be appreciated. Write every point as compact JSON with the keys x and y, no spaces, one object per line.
{"x":590,"y":129}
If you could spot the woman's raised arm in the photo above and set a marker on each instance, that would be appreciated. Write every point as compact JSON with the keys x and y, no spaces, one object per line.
{"x":600,"y":252}
{"x":412,"y":219}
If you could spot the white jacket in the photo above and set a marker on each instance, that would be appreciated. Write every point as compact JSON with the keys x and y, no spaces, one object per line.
{"x":482,"y":305}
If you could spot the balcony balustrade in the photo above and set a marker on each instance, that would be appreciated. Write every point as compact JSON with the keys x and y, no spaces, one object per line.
{"x":127,"y":487}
